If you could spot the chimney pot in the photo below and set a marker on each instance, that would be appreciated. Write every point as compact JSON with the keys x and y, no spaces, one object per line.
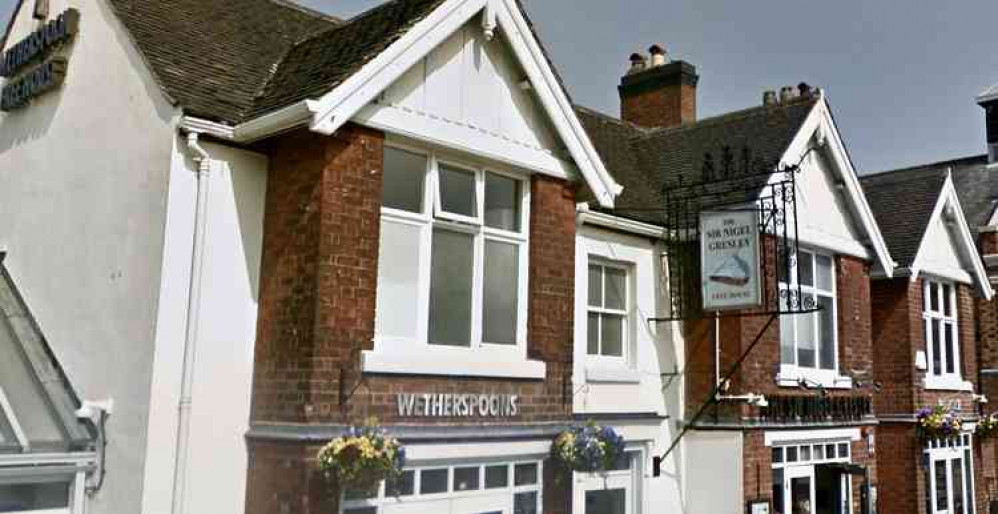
{"x":658,"y":55}
{"x":769,"y":97}
{"x":638,"y":63}
{"x":786,"y":94}
{"x":804,"y":88}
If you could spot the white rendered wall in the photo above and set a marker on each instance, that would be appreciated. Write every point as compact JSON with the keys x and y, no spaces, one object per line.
{"x":82,"y":207}
{"x":825,"y":218}
{"x":654,"y":349}
{"x":940,"y":253}
{"x":714,"y":477}
{"x":216,"y":477}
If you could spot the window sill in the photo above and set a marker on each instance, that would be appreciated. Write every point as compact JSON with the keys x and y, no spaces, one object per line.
{"x":947,"y":384}
{"x":612,"y":375}
{"x":442,"y":363}
{"x":826,"y":379}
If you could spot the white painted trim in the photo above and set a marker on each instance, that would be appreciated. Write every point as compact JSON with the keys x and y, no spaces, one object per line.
{"x":836,"y":244}
{"x":343,"y":103}
{"x":978,"y":274}
{"x":821,"y":123}
{"x":275,"y":122}
{"x":599,"y":219}
{"x":988,"y":95}
{"x":202,"y":126}
{"x":810,"y":436}
{"x":621,"y":374}
{"x":513,"y":450}
{"x":430,"y":361}
{"x":829,"y":379}
{"x":448,"y":135}
{"x":945,"y":383}
{"x":48,"y":459}
{"x":15,"y":425}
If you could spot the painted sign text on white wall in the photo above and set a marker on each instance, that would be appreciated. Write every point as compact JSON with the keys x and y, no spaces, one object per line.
{"x":458,"y":405}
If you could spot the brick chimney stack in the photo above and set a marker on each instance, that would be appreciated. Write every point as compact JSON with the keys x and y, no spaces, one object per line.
{"x":657,"y":92}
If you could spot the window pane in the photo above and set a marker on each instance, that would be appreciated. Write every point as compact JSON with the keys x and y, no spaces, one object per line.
{"x":623,"y":461}
{"x":450,"y":288}
{"x":616,"y":288}
{"x":933,"y":296}
{"x":958,"y":499}
{"x":525,"y":503}
{"x":361,"y":494}
{"x":592,"y":346}
{"x":457,"y":191}
{"x":496,"y":476}
{"x":433,"y":481}
{"x":502,"y":264}
{"x":30,"y":497}
{"x":777,"y":455}
{"x":402,"y":184}
{"x":398,"y":280}
{"x":402,"y":486}
{"x":830,"y":451}
{"x":791,"y":454}
{"x":806,"y":347}
{"x":786,"y":334}
{"x":942,"y":494}
{"x":805,"y":269}
{"x":783,"y":266}
{"x":525,"y":474}
{"x":819,"y":452}
{"x":826,"y":321}
{"x":595,"y":286}
{"x":947,"y":304}
{"x":937,"y":354}
{"x":950,"y":330}
{"x":968,"y":472}
{"x":606,"y":501}
{"x":612,"y":335}
{"x":502,"y":202}
{"x":843,"y":450}
{"x":466,"y":479}
{"x":27,"y":399}
{"x":777,"y":490}
{"x":805,"y":453}
{"x":824,"y":265}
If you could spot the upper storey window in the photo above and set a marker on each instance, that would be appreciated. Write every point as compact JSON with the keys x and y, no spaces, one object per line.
{"x":939,"y":320}
{"x":808,"y":342}
{"x":452,"y":264}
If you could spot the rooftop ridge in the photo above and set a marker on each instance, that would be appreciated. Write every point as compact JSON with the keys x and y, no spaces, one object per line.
{"x":733,"y":115}
{"x":609,"y":118}
{"x":307,"y":10}
{"x":925,"y":166}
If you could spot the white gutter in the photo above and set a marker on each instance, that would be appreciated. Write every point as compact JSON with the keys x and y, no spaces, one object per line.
{"x":294,"y":115}
{"x":587,"y":216}
{"x":191,"y":333}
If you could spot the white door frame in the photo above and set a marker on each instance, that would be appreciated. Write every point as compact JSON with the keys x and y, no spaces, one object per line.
{"x":789,"y":474}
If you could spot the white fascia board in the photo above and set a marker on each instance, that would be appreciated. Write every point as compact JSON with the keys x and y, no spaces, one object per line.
{"x":988,"y":95}
{"x":556,"y":103}
{"x":965,"y":239}
{"x":338,"y":106}
{"x":603,"y":220}
{"x":810,"y":436}
{"x":820,"y":119}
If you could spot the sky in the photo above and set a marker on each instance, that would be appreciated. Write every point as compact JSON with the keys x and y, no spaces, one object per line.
{"x":901,"y":75}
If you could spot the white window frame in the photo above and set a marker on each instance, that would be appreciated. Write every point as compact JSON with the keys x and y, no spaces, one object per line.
{"x":943,"y":380}
{"x":46,"y":469}
{"x":418,"y":355}
{"x":790,"y":375}
{"x":380,"y":500}
{"x":809,"y":463}
{"x":948,"y":450}
{"x":599,"y":359}
{"x":629,"y":479}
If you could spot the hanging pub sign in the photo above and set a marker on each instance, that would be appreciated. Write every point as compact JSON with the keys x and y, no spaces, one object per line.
{"x":458,"y":405}
{"x":26,"y":79}
{"x":729,"y":260}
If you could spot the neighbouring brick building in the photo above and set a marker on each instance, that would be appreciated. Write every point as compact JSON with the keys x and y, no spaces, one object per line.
{"x":794,"y":429}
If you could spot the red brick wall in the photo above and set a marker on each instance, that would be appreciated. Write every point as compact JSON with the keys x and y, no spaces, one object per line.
{"x":895,"y":323}
{"x":901,"y":484}
{"x":317,"y":309}
{"x":668,"y":106}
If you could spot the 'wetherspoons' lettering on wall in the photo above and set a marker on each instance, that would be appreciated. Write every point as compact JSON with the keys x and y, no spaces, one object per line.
{"x":458,"y":405}
{"x":39,"y":42}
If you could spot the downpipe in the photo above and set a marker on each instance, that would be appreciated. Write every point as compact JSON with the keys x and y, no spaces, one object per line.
{"x":185,"y":404}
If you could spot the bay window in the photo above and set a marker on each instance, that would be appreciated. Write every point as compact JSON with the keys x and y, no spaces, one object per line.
{"x":453,"y":256}
{"x":808,"y":342}
{"x":939,"y":320}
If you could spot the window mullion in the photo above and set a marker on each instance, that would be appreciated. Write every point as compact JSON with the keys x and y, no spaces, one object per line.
{"x":478,"y":294}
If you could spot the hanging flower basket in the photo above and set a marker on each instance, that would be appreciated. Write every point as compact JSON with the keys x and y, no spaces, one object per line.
{"x":362,"y":457}
{"x":938,"y":423}
{"x":987,"y":426}
{"x":588,"y":448}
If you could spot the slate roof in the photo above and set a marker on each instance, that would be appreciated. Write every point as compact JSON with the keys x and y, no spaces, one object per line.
{"x":645,"y":161}
{"x":320,"y":63}
{"x":902,"y":202}
{"x":215,"y":57}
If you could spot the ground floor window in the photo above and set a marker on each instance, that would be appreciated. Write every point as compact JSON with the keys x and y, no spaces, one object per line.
{"x":949,"y":476}
{"x":489,"y":487}
{"x":809,"y":479}
{"x":31,"y":491}
{"x":617,"y":491}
